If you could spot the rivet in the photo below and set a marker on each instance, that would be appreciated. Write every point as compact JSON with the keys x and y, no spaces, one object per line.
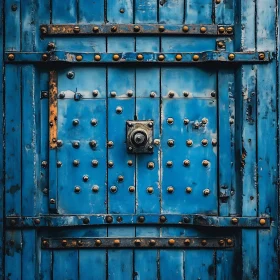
{"x":109,"y":219}
{"x":214,"y":142}
{"x":130,"y":163}
{"x":64,"y":242}
{"x":110,"y":144}
{"x":122,"y":10}
{"x":161,"y":57}
{"x":162,"y":219}
{"x":59,"y":164}
{"x":156,"y":142}
{"x":95,"y":188}
{"x":218,"y":1}
{"x":186,"y":162}
{"x":186,"y":121}
{"x":213,"y":94}
{"x":93,"y":143}
{"x":262,"y":222}
{"x":170,"y":142}
{"x":77,"y":189}
{"x":141,"y":219}
{"x":231,"y":56}
{"x":45,"y":243}
{"x":95,"y":29}
{"x":186,"y":94}
{"x":11,"y":56}
{"x":86,"y":221}
{"x":136,"y":28}
{"x":206,"y":192}
{"x":117,"y":242}
{"x":95,"y":93}
{"x":61,"y":95}
{"x":150,"y":148}
{"x":170,"y":189}
{"x":169,"y":164}
{"x":221,"y":29}
{"x":51,"y":45}
{"x":137,"y":242}
{"x":205,"y":163}
{"x":131,"y":189}
{"x":170,"y":120}
{"x":113,"y":189}
{"x":116,"y":57}
{"x":85,"y":178}
{"x":119,"y":110}
{"x":203,"y":29}
{"x":229,"y":29}
{"x":150,"y":124}
{"x":71,"y":75}
{"x":171,"y":94}
{"x":171,"y":242}
{"x":150,"y":190}
{"x":37,"y":221}
{"x":185,"y":28}
{"x":196,"y":125}
{"x":44,"y":164}
{"x":119,"y":219}
{"x":45,"y":191}
{"x":129,"y":93}
{"x":231,"y":121}
{"x":261,"y":56}
{"x":120,"y":178}
{"x":14,"y":7}
{"x":204,"y":242}
{"x":189,"y":143}
{"x":93,"y":122}
{"x":80,"y":243}
{"x":188,"y":189}
{"x":114,"y":28}
{"x":221,"y":242}
{"x":152,"y":242}
{"x":179,"y":57}
{"x":76,"y":29}
{"x":161,"y":28}
{"x":113,"y":94}
{"x":79,"y":57}
{"x":187,"y":242}
{"x":229,"y":241}
{"x":140,"y":57}
{"x":110,"y":164}
{"x":52,"y":201}
{"x":98,"y":242}
{"x":204,"y":142}
{"x":44,"y":57}
{"x":234,"y":221}
{"x":97,"y":57}
{"x":186,"y":220}
{"x":151,"y":165}
{"x":220,"y":44}
{"x":94,"y":163}
{"x":204,"y":121}
{"x":195,"y":57}
{"x":44,"y":30}
{"x":75,"y":122}
{"x":152,"y":94}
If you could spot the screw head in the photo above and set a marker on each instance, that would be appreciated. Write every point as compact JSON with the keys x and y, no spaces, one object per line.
{"x":231,"y":56}
{"x":196,"y":57}
{"x":93,"y":143}
{"x":161,"y":28}
{"x":79,"y":57}
{"x":161,"y":57}
{"x":136,"y":28}
{"x":131,"y":189}
{"x":151,"y":165}
{"x":221,"y":29}
{"x":169,"y":164}
{"x":234,"y":221}
{"x":97,"y":57}
{"x":85,"y":178}
{"x":119,"y":110}
{"x":186,"y":162}
{"x":95,"y":29}
{"x":113,"y":189}
{"x":140,"y":57}
{"x":188,"y":189}
{"x":95,"y":189}
{"x":93,"y":122}
{"x":77,"y":189}
{"x":203,"y":29}
{"x":116,"y":57}
{"x":162,"y":219}
{"x":150,"y":190}
{"x":170,"y":189}
{"x":76,"y":145}
{"x":94,"y":163}
{"x":170,"y":142}
{"x":189,"y":143}
{"x":152,"y":94}
{"x":185,"y":28}
{"x":110,"y":164}
{"x":187,"y":242}
{"x":178,"y":57}
{"x":170,"y":120}
{"x":206,"y":192}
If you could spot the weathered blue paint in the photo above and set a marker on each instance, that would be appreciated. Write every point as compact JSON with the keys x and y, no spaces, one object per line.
{"x":230,"y":101}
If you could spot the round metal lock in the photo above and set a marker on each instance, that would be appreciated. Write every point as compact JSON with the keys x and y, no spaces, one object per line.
{"x":139,"y":138}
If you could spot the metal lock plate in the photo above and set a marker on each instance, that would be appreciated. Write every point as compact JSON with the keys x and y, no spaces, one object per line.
{"x":139,"y":137}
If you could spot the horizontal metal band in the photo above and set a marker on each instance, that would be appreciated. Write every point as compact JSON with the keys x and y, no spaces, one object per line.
{"x":145,"y":57}
{"x":137,"y":29}
{"x":141,"y":243}
{"x":145,"y":219}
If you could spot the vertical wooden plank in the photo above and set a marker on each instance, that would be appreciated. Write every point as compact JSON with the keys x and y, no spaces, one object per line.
{"x":29,"y":258}
{"x":64,"y":12}
{"x":199,"y":11}
{"x":225,"y":11}
{"x":91,"y":11}
{"x":266,"y":138}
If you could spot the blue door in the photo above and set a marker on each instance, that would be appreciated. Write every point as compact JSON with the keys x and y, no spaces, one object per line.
{"x":140,"y":140}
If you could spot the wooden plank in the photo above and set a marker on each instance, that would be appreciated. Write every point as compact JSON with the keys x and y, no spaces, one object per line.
{"x":64,"y":12}
{"x":29,"y":257}
{"x":199,"y":11}
{"x":225,"y":11}
{"x":266,"y":137}
{"x":91,"y":11}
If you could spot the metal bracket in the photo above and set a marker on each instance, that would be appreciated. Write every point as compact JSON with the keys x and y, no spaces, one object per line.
{"x":139,"y":243}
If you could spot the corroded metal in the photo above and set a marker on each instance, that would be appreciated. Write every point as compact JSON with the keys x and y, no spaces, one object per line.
{"x":136,"y":29}
{"x":143,"y":243}
{"x":53,"y":109}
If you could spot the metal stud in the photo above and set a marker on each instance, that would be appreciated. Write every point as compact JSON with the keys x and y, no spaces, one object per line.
{"x":11,"y":56}
{"x":170,"y":189}
{"x":122,"y":10}
{"x":95,"y":189}
{"x":156,"y":142}
{"x":214,"y":142}
{"x":213,"y":94}
{"x":117,"y":242}
{"x":113,"y":94}
{"x":119,"y":110}
{"x":152,"y":94}
{"x":221,"y":29}
{"x":186,"y":162}
{"x":76,"y":145}
{"x":130,"y":163}
{"x":150,"y":190}
{"x":110,"y":164}
{"x":80,"y":243}
{"x":95,"y":93}
{"x":119,"y":219}
{"x":44,"y":164}
{"x":189,"y":143}
{"x":64,"y":242}
{"x":171,"y":94}
{"x":204,"y":242}
{"x":162,"y":219}
{"x":44,"y":30}
{"x":75,"y":122}
{"x":52,"y":201}
{"x":206,"y":192}
{"x":93,"y":122}
{"x":152,"y":242}
{"x":261,"y":56}
{"x":161,"y":28}
{"x":205,"y":163}
{"x":186,"y":94}
{"x":151,"y":165}
{"x":114,"y":28}
{"x":137,"y":242}
{"x":161,"y":57}
{"x":59,"y":164}
{"x":116,"y":57}
{"x":120,"y":178}
{"x":93,"y":143}
{"x":188,"y":189}
{"x":203,"y":29}
{"x":37,"y":221}
{"x":98,"y":242}
{"x":141,"y":219}
{"x":76,"y":162}
{"x":45,"y":243}
{"x":218,"y":1}
{"x":61,"y":95}
{"x":76,"y":29}
{"x":204,"y":142}
{"x":195,"y":57}
{"x":131,"y":189}
{"x":179,"y":57}
{"x":129,"y":93}
{"x":109,"y":219}
{"x":85,"y":178}
{"x":262,"y":222}
{"x":229,"y":30}
{"x":169,"y":164}
{"x":231,"y":121}
{"x":204,"y":121}
{"x":95,"y":29}
{"x":231,"y":56}
{"x":136,"y":28}
{"x":229,"y":241}
{"x":221,"y":242}
{"x":77,"y":189}
{"x":171,"y":242}
{"x":220,"y":44}
{"x":113,"y":189}
{"x":170,"y":120}
{"x":140,"y":57}
{"x":14,"y":7}
{"x":186,"y":121}
{"x":110,"y":144}
{"x":97,"y":57}
{"x":94,"y":163}
{"x":234,"y":221}
{"x":187,"y":242}
{"x":185,"y":28}
{"x":170,"y":142}
{"x":79,"y":57}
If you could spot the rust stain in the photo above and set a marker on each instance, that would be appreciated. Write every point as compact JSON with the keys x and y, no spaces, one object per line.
{"x":53,"y":109}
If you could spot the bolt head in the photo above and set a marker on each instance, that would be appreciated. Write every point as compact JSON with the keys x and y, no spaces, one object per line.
{"x":141,"y":219}
{"x":79,"y":57}
{"x":234,"y":221}
{"x":44,"y":57}
{"x":221,"y":29}
{"x":170,"y":142}
{"x":220,"y":44}
{"x":110,"y":144}
{"x":150,"y":190}
{"x":169,"y":164}
{"x":110,"y":164}
{"x":59,"y":164}
{"x":70,"y":75}
{"x":64,"y":243}
{"x":76,"y":145}
{"x":130,"y":163}
{"x":203,"y":29}
{"x":171,"y":94}
{"x":86,"y":221}
{"x":204,"y":242}
{"x":44,"y":164}
{"x":117,"y":242}
{"x":206,"y":192}
{"x":140,"y":57}
{"x":186,"y":162}
{"x":162,"y":219}
{"x":136,"y":28}
{"x":171,"y":242}
{"x":195,"y":57}
{"x":44,"y":30}
{"x":161,"y":57}
{"x":170,"y":189}
{"x":152,"y":94}
{"x":131,"y":189}
{"x":76,"y":29}
{"x":204,"y":142}
{"x":178,"y":57}
{"x":77,"y":189}
{"x":221,"y":242}
{"x":116,"y":57}
{"x":189,"y":143}
{"x":231,"y":56}
{"x":170,"y":120}
{"x":229,"y":242}
{"x":93,"y":122}
{"x":97,"y":57}
{"x":98,"y":242}
{"x":161,"y":28}
{"x":137,"y":242}
{"x":186,"y":121}
{"x":187,"y":242}
{"x":109,"y":219}
{"x":229,"y":30}
{"x":52,"y":201}
{"x":188,"y":190}
{"x":93,"y":143}
{"x":95,"y":189}
{"x":75,"y":122}
{"x":186,"y":94}
{"x":114,"y":28}
{"x":261,"y":56}
{"x":262,"y":222}
{"x":95,"y":93}
{"x":152,"y":242}
{"x":95,"y":29}
{"x":185,"y":28}
{"x":151,"y":165}
{"x":85,"y":178}
{"x":94,"y":163}
{"x":119,"y":110}
{"x":113,"y":189}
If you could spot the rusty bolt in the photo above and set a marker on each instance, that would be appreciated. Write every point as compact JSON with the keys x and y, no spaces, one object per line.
{"x":261,"y":56}
{"x":77,"y":189}
{"x":130,"y":163}
{"x":95,"y":189}
{"x":110,"y":144}
{"x":150,"y":190}
{"x":136,"y":28}
{"x":109,"y":219}
{"x":131,"y":189}
{"x":229,"y":241}
{"x":44,"y":57}
{"x":188,"y":189}
{"x":179,"y":57}
{"x":189,"y":143}
{"x":44,"y":164}
{"x":141,"y":219}
{"x":161,"y":57}
{"x":152,"y":242}
{"x":169,"y":164}
{"x":206,"y":192}
{"x":234,"y":221}
{"x":185,"y":28}
{"x":93,"y":122}
{"x":203,"y":29}
{"x":110,"y":164}
{"x":152,"y":94}
{"x":44,"y":30}
{"x":205,"y":163}
{"x":186,"y":162}
{"x":170,"y":189}
{"x":170,"y":120}
{"x":64,"y":242}
{"x":221,"y":242}
{"x":170,"y":142}
{"x":86,"y":221}
{"x":116,"y":57}
{"x":85,"y":178}
{"x":119,"y":110}
{"x":262,"y":222}
{"x":97,"y":57}
{"x":59,"y":164}
{"x":171,"y":242}
{"x":76,"y":162}
{"x":229,"y":30}
{"x":95,"y":29}
{"x":94,"y":163}
{"x":221,"y":29}
{"x":76,"y":29}
{"x":204,"y":142}
{"x":231,"y":56}
{"x":79,"y":57}
{"x":120,"y":178}
{"x":52,"y":201}
{"x":204,"y":242}
{"x":162,"y":219}
{"x":113,"y":189}
{"x":161,"y":28}
{"x":114,"y":28}
{"x":171,"y":94}
{"x":117,"y":242}
{"x":220,"y":44}
{"x":140,"y":57}
{"x":195,"y":57}
{"x":151,"y":165}
{"x":98,"y":242}
{"x":187,"y":242}
{"x":137,"y":242}
{"x":93,"y":143}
